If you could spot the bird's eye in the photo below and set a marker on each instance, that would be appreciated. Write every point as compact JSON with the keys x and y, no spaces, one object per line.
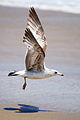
{"x":55,"y":72}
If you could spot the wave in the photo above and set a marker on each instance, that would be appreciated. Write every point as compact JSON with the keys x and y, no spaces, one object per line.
{"x":58,"y":5}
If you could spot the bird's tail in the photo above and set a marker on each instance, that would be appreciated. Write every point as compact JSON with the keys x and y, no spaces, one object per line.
{"x":12,"y":73}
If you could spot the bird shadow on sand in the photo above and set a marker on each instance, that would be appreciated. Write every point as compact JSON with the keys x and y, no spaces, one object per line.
{"x":26,"y":109}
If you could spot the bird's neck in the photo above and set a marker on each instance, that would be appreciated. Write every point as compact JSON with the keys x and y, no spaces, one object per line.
{"x":50,"y":72}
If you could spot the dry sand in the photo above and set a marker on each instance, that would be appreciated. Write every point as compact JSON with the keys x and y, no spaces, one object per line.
{"x":12,"y":25}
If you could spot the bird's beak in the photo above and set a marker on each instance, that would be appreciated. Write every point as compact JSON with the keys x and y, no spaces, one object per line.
{"x":60,"y":74}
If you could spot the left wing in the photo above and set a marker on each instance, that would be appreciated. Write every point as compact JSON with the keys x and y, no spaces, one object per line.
{"x":34,"y":24}
{"x":34,"y":60}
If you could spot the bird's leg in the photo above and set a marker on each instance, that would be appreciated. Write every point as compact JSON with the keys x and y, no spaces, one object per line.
{"x":24,"y":85}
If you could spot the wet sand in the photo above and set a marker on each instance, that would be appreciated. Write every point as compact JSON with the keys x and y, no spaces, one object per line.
{"x":11,"y":115}
{"x":62,"y":28}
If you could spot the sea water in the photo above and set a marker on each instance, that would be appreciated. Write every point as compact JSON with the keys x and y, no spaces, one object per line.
{"x":72,"y":6}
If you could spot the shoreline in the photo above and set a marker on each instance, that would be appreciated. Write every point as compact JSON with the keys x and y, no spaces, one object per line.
{"x":44,"y":10}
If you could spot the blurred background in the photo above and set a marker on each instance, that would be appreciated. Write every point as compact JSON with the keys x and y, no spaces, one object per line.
{"x":61,"y":23}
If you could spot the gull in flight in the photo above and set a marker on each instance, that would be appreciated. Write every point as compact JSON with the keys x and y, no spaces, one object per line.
{"x":35,"y":40}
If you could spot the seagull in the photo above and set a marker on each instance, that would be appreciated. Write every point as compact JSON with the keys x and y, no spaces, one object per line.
{"x":36,"y":43}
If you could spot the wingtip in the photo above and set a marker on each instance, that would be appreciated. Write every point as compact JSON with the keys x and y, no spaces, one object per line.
{"x":12,"y":73}
{"x":31,"y":9}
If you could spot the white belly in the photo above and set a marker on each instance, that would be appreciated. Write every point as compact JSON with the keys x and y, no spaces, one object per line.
{"x":36,"y":75}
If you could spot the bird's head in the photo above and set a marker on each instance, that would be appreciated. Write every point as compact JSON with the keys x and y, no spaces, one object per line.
{"x":58,"y":73}
{"x":55,"y":72}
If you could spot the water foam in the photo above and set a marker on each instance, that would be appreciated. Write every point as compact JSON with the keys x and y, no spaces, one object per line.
{"x":58,"y":5}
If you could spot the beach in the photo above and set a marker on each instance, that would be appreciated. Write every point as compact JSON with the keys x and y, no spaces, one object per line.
{"x":56,"y":98}
{"x":11,"y":115}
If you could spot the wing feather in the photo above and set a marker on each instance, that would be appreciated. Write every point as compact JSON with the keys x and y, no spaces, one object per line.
{"x":35,"y":26}
{"x":34,"y":60}
{"x":36,"y":41}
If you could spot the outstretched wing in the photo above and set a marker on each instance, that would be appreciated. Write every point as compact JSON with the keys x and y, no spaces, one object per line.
{"x":35,"y":56}
{"x":34,"y":24}
{"x":36,"y":41}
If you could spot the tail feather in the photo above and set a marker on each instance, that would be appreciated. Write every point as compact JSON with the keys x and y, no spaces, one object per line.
{"x":12,"y":73}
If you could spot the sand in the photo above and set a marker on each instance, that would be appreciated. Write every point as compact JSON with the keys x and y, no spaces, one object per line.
{"x":62,"y":25}
{"x":11,"y":115}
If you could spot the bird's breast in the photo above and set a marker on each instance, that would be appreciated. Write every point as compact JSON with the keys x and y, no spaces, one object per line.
{"x":36,"y":75}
